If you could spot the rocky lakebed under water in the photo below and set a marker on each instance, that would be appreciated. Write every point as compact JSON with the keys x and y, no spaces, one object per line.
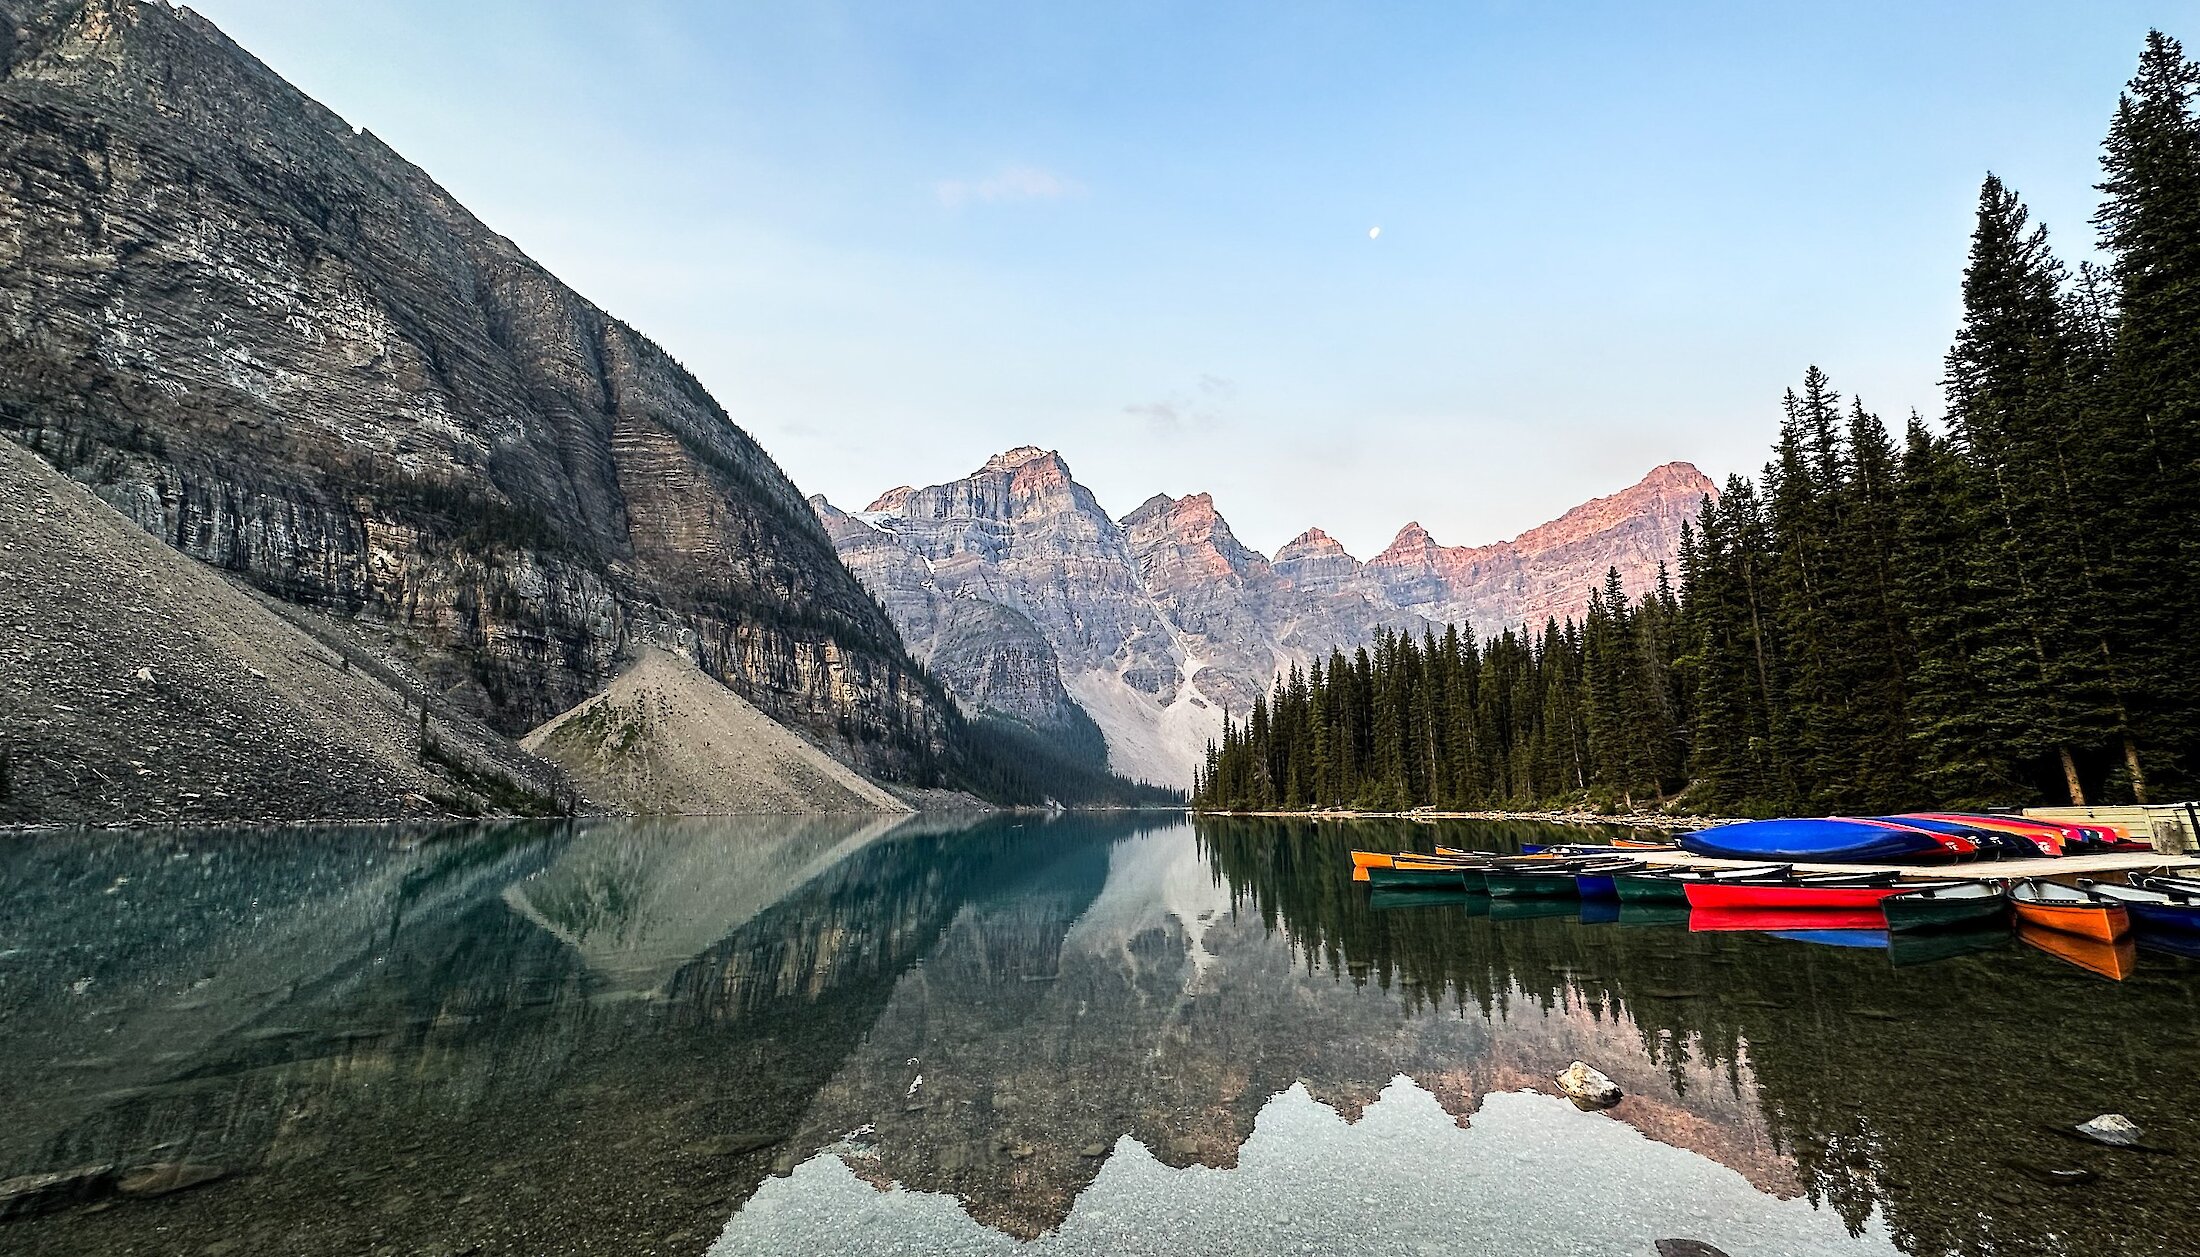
{"x":1117,"y":1034}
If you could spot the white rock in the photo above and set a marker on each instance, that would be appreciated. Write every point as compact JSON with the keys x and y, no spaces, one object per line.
{"x":2111,"y":1128}
{"x":145,"y":675}
{"x":1587,"y":1087}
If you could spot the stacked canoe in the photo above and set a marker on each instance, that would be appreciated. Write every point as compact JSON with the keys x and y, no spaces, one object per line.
{"x":1910,"y":837}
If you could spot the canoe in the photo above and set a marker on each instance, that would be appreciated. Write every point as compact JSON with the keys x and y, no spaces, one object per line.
{"x":1990,"y":842}
{"x":2157,"y":881}
{"x":2111,"y":960}
{"x":1517,"y":883}
{"x":1781,"y":874}
{"x":2058,"y":907}
{"x":1557,"y":880}
{"x":1617,"y":846}
{"x":1432,"y":877}
{"x":1371,"y":859}
{"x":1600,"y":883}
{"x":1649,"y":888}
{"x":2149,"y":909}
{"x":2047,"y":839}
{"x":1792,"y":895}
{"x":1938,"y":907}
{"x":1775,"y":920}
{"x":1834,"y":840}
{"x":1660,"y":886}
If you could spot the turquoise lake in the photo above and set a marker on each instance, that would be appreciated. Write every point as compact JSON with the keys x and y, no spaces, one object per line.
{"x":1109,"y":1034}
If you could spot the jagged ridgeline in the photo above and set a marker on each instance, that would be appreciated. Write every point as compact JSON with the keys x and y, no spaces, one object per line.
{"x":265,"y":337}
{"x":1998,"y":610}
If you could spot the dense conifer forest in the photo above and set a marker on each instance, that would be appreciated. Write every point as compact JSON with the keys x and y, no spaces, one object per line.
{"x":1996,"y":609}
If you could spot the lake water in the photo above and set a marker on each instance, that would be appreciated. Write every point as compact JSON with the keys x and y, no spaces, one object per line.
{"x":1115,"y":1035}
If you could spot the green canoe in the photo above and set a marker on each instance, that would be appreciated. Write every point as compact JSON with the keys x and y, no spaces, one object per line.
{"x":1517,"y":883}
{"x":1649,"y":888}
{"x":1412,"y":879}
{"x":1942,"y":906}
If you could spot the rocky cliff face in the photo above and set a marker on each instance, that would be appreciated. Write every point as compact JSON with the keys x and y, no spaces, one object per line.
{"x":1158,"y":623}
{"x":1546,"y":571}
{"x":268,"y":339}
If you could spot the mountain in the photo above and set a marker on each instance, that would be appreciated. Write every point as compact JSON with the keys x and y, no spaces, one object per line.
{"x":1546,"y":571}
{"x":266,"y":338}
{"x":1027,"y":600}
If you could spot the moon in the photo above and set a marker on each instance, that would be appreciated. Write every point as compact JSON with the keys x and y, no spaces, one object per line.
{"x":1374,"y":233}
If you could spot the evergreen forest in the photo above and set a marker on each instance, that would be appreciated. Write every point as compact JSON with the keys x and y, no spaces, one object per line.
{"x":1996,"y":608}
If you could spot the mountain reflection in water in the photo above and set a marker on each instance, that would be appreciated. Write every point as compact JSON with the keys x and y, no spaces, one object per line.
{"x":1087,"y":1034}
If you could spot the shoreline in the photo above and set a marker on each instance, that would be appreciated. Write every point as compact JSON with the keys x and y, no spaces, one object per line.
{"x":1629,"y":820}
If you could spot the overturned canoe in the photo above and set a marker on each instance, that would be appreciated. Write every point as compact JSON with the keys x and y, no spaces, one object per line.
{"x":1990,"y":842}
{"x":2048,"y":839}
{"x":1834,"y":840}
{"x":2071,"y":911}
{"x":1939,"y":907}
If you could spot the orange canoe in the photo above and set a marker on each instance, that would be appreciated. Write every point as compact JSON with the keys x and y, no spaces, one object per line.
{"x":1371,"y":859}
{"x":2069,"y":911}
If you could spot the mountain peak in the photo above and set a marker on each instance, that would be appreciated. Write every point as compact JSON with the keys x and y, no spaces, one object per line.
{"x":1412,"y":542}
{"x":1010,"y":460}
{"x":1313,"y":543}
{"x":890,"y":502}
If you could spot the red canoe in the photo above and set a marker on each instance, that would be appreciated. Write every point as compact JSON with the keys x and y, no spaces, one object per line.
{"x":1788,"y":896}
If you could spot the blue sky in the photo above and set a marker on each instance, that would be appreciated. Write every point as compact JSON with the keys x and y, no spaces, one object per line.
{"x":895,"y":238}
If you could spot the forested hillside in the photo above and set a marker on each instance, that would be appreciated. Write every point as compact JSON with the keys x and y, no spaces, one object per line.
{"x":1998,"y":608}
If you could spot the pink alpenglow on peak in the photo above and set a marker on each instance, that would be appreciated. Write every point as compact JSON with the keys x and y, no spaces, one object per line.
{"x":1157,"y":622}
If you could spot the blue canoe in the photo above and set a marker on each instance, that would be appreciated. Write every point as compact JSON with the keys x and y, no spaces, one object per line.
{"x":1832,"y":841}
{"x":2150,"y":909}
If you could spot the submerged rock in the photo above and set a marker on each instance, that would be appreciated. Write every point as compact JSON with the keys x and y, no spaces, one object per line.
{"x":168,"y":1176}
{"x":1688,"y":1248}
{"x":2113,"y":1129}
{"x":1588,"y":1088}
{"x":28,"y":1194}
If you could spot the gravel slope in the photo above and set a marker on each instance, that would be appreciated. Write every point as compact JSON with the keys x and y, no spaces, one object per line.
{"x":666,"y":738}
{"x":137,"y":684}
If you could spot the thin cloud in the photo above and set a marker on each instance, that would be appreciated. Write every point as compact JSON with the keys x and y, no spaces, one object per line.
{"x":1199,"y":406}
{"x":1010,"y":183}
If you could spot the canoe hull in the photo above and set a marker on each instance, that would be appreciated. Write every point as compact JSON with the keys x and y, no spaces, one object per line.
{"x":1833,"y":841}
{"x":1649,"y":888}
{"x":1786,"y":897}
{"x":2101,"y":922}
{"x":1509,"y":884}
{"x":1934,"y":912}
{"x":1395,"y":878}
